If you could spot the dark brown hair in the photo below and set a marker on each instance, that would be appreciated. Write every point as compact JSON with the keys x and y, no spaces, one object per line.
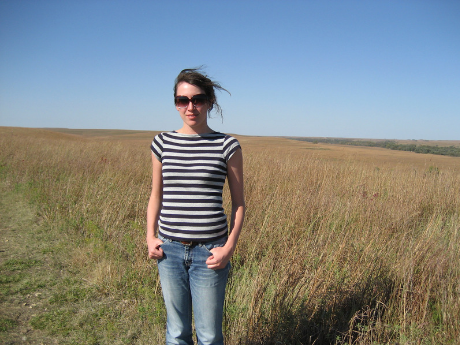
{"x":195,"y":76}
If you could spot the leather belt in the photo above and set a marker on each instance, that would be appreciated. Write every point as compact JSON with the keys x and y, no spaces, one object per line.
{"x":188,"y":243}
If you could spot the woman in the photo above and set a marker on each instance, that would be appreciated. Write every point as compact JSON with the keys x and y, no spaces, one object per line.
{"x":187,"y":229}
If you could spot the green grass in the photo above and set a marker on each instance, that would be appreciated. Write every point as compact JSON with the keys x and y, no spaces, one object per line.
{"x":19,"y":264}
{"x":7,"y":324}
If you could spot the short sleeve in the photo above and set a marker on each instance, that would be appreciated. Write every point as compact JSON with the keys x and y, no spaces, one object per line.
{"x":231,"y":144}
{"x":157,"y":146}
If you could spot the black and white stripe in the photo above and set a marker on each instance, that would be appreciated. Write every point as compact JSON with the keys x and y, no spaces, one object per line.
{"x":194,"y":168}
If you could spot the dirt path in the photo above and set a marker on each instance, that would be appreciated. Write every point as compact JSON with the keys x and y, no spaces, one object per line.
{"x":29,"y":270}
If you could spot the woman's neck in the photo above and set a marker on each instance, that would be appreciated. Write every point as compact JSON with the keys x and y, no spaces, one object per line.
{"x":190,"y":130}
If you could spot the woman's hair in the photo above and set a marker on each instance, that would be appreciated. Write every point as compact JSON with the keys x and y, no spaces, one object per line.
{"x":194,"y":76}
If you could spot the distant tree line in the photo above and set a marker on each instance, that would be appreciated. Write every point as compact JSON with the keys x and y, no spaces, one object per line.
{"x":389,"y":144}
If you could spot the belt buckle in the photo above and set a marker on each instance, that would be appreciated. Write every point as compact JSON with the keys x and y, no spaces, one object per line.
{"x":187,"y":243}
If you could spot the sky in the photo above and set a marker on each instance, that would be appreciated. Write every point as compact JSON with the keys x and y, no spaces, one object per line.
{"x":386,"y":69}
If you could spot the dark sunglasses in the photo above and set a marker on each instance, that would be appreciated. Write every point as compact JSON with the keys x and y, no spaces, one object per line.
{"x":197,"y":101}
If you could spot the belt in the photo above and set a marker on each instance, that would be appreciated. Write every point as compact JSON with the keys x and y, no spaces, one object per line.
{"x":189,"y":243}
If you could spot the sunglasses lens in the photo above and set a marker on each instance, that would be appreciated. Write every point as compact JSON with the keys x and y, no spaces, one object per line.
{"x":199,"y":100}
{"x":182,"y":102}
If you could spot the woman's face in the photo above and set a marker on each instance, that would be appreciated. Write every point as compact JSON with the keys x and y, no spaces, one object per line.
{"x":194,"y":116}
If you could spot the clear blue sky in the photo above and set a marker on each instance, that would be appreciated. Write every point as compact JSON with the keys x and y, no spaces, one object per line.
{"x":358,"y":69}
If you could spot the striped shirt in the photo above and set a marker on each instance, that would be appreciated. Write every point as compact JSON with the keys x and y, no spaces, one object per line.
{"x":194,"y":169}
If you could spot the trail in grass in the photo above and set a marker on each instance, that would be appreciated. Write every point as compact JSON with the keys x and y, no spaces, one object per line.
{"x":29,"y":269}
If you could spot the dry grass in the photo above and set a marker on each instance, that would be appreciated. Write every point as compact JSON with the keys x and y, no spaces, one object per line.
{"x":341,"y":245}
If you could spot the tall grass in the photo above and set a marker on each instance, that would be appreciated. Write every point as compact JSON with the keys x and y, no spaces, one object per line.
{"x":332,"y":252}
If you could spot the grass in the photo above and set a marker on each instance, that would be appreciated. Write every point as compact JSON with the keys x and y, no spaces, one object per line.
{"x":6,"y":324}
{"x":341,"y":245}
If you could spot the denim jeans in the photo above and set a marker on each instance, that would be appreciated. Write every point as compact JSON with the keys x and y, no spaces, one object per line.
{"x":187,"y":283}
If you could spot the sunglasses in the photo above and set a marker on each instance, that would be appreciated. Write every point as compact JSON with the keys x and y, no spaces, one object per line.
{"x":197,"y":101}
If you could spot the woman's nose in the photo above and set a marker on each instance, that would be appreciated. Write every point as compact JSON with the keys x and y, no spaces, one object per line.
{"x":190,"y":106}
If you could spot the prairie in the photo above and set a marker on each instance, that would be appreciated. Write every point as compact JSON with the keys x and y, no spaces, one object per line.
{"x":341,"y":245}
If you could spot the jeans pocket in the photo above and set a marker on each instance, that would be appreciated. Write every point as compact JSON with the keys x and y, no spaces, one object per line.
{"x":214,"y":244}
{"x":164,"y":239}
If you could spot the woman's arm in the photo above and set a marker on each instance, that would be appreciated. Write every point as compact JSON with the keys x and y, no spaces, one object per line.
{"x":153,"y":211}
{"x":221,"y":255}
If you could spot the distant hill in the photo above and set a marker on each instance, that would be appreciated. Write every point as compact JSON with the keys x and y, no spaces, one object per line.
{"x":445,"y":148}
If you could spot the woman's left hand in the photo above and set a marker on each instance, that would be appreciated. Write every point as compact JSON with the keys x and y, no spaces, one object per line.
{"x":219,"y":258}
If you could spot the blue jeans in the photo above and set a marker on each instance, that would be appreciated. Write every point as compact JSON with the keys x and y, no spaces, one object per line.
{"x":186,"y":281}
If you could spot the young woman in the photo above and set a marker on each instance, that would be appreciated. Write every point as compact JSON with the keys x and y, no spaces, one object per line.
{"x":187,"y":229}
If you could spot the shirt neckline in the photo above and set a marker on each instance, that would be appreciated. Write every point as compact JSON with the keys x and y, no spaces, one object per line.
{"x":195,"y":134}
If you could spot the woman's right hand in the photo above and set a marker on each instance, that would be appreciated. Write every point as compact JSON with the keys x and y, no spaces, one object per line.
{"x":155,"y":251}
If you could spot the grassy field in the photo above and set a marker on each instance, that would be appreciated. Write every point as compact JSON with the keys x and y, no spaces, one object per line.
{"x":341,"y":245}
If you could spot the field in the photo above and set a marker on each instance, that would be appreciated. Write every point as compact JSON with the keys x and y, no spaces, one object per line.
{"x":341,"y":245}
